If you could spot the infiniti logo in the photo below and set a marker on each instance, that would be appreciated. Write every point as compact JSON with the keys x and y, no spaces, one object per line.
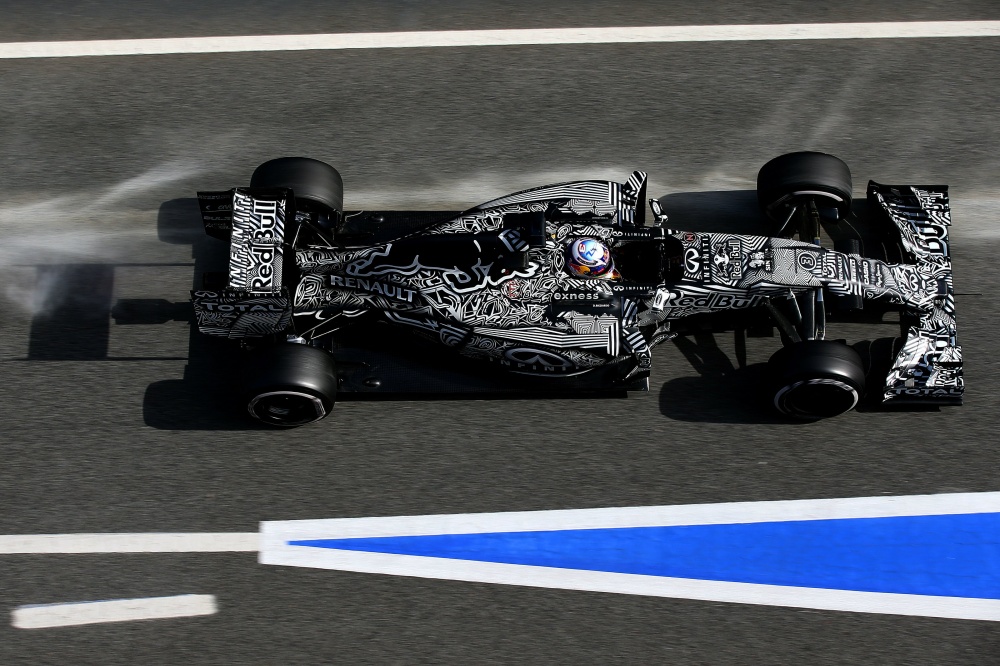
{"x":692,"y":261}
{"x":536,"y":357}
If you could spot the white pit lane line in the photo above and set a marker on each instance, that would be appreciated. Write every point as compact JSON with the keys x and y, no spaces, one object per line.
{"x":191,"y":542}
{"x":959,"y":549}
{"x":114,"y":610}
{"x":508,"y":37}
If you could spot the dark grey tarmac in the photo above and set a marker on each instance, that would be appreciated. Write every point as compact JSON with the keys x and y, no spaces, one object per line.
{"x":112,"y":415}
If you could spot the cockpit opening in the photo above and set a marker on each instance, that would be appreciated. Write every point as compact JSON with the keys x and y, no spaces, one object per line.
{"x":650,"y":261}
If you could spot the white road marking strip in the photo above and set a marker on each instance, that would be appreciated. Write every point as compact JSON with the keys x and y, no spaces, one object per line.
{"x":203,"y":542}
{"x":277,"y":532}
{"x":511,"y":37}
{"x":117,"y":610}
{"x":516,"y":521}
{"x":657,"y":586}
{"x":276,"y":549}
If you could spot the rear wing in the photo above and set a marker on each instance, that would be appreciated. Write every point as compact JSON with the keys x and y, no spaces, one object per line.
{"x":928,"y":368}
{"x":254,"y":223}
{"x":254,"y":301}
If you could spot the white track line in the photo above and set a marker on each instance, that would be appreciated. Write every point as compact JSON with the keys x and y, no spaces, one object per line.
{"x":276,"y":533}
{"x":518,"y":521}
{"x":512,"y":37}
{"x":957,"y":608}
{"x":197,"y":542}
{"x":116,"y":610}
{"x":276,"y":550}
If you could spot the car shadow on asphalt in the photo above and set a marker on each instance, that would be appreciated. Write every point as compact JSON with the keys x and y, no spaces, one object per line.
{"x":73,"y":310}
{"x":732,"y":212}
{"x":70,"y":307}
{"x":721,"y":392}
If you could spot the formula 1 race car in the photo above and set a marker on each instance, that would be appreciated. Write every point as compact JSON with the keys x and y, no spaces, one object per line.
{"x":565,"y":288}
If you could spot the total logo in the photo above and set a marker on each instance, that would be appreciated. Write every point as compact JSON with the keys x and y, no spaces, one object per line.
{"x":209,"y":306}
{"x":950,"y":390}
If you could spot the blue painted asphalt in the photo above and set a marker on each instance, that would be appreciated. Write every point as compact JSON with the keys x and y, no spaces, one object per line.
{"x":945,"y":555}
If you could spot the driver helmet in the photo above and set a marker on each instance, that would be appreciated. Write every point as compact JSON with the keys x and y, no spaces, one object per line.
{"x":589,"y":257}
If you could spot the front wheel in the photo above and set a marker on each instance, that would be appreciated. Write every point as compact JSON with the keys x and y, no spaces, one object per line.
{"x":288,"y":385}
{"x":790,"y":181}
{"x":816,"y":379}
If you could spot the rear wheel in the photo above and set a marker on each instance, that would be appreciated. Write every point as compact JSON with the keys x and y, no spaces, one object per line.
{"x":817,"y":379}
{"x":288,"y":385}
{"x":312,"y":181}
{"x":789,"y":182}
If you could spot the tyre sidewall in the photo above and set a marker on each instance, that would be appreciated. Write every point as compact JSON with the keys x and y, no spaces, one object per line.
{"x":310,"y":180}
{"x":805,"y":171}
{"x":817,"y":379}
{"x":289,"y":371}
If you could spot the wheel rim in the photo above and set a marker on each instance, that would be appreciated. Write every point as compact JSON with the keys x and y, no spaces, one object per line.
{"x":286,"y":408}
{"x":816,"y":398}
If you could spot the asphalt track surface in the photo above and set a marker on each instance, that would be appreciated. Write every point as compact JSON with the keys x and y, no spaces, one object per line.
{"x":110,"y":424}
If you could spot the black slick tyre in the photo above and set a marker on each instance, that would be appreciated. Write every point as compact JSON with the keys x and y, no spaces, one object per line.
{"x":310,"y":180}
{"x":789,"y":179}
{"x":816,"y":379}
{"x":288,"y":385}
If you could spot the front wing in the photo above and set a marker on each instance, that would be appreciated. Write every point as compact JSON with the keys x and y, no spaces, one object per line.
{"x":928,"y":368}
